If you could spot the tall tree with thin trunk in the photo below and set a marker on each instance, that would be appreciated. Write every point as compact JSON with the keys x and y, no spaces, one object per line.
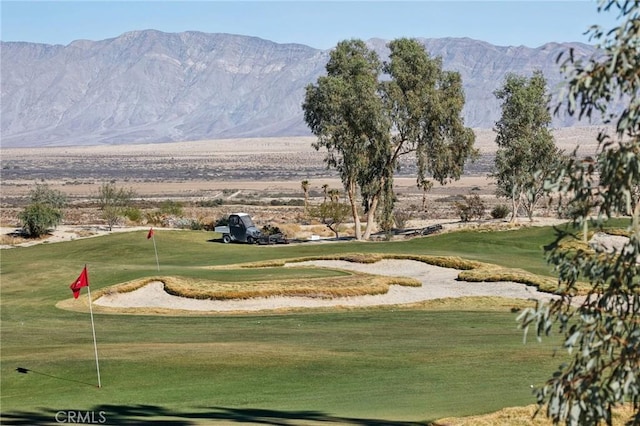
{"x":344,"y":111}
{"x":424,"y":105}
{"x":526,"y":148}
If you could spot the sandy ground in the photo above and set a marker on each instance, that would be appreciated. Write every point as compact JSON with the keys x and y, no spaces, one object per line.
{"x":437,"y":283}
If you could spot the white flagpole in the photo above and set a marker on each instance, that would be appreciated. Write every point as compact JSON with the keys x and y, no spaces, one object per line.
{"x":153,"y":237}
{"x":93,"y":327}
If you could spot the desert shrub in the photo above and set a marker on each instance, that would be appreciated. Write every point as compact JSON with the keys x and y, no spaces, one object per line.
{"x":222,"y":220}
{"x":133,"y":214}
{"x":170,"y":207}
{"x":37,"y":218}
{"x":401,"y":217}
{"x":500,"y":211}
{"x":331,"y":213}
{"x":184,"y":223}
{"x":472,"y":207}
{"x":42,"y":194}
{"x":113,"y":202}
{"x":197,"y":225}
{"x":210,"y":203}
{"x":270,"y":230}
{"x":290,"y":229}
{"x":43,"y":212}
{"x":154,"y":217}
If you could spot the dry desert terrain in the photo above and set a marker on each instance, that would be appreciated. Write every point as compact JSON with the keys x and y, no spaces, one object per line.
{"x":248,"y":172}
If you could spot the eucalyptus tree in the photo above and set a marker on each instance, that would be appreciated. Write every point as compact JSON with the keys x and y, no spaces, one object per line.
{"x":601,"y":334}
{"x":344,"y":110}
{"x":424,"y":104}
{"x":526,"y":148}
{"x":366,"y":124}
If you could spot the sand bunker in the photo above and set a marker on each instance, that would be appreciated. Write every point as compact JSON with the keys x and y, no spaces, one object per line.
{"x":437,"y":283}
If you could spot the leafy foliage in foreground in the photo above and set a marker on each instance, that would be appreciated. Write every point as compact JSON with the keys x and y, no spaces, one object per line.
{"x":603,"y":333}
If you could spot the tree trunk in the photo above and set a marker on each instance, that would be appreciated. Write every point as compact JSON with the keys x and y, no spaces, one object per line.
{"x":529,"y":207}
{"x":514,"y":205}
{"x":370,"y":217}
{"x":335,"y":231}
{"x":351,"y":191}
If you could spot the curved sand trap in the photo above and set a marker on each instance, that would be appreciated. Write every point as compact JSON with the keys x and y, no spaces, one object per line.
{"x":437,"y":283}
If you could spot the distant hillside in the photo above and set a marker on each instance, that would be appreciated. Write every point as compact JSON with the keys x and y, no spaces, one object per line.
{"x":150,"y":86}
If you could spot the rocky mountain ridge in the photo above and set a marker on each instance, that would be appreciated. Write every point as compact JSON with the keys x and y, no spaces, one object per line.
{"x":149,"y":86}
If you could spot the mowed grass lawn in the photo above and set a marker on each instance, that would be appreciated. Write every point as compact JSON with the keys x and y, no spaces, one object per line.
{"x":369,"y":366}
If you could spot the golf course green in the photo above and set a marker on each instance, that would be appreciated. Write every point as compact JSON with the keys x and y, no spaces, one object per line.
{"x":373,"y":366}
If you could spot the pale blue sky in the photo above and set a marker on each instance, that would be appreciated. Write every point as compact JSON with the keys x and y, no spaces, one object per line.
{"x":319,"y":24}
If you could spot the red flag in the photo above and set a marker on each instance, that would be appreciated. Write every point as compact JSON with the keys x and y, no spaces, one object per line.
{"x":150,"y":234}
{"x":82,"y":281}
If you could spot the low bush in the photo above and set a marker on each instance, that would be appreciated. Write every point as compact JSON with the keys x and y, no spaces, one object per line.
{"x":402,"y":216}
{"x":38,"y":218}
{"x":154,"y":218}
{"x":270,"y":230}
{"x":210,"y":203}
{"x":134,"y":214}
{"x":471,"y":207}
{"x":170,"y":207}
{"x":500,"y":211}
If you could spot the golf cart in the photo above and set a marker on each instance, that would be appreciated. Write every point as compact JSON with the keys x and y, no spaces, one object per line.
{"x":241,"y":228}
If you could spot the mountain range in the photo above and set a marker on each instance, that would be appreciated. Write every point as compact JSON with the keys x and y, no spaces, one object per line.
{"x":150,"y":86}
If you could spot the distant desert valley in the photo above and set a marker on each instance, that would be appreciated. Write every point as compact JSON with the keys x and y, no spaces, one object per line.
{"x":214,"y":177}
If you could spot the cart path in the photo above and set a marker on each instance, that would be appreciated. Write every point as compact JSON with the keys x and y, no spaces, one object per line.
{"x":437,"y":283}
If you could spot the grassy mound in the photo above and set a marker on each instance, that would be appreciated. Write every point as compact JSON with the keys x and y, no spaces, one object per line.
{"x":342,"y":285}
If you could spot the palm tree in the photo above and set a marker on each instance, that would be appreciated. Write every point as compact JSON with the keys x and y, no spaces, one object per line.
{"x":325,"y":189}
{"x":305,"y":188}
{"x":335,"y":195}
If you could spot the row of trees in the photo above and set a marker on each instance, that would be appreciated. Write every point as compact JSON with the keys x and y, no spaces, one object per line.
{"x":366,"y":123}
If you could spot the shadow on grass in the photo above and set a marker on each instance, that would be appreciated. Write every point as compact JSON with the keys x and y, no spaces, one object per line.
{"x":139,"y":415}
{"x":23,"y":370}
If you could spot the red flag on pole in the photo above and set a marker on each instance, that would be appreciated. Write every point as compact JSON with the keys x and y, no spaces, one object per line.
{"x":150,"y":234}
{"x":81,"y":281}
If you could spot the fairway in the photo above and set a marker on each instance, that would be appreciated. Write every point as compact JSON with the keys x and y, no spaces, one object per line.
{"x":391,"y":365}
